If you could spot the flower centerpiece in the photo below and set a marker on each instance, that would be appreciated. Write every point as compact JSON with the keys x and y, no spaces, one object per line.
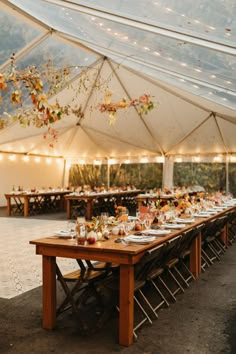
{"x":121,"y":213}
{"x":95,"y":229}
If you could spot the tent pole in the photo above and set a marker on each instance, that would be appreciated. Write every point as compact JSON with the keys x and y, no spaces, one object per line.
{"x":63,"y":173}
{"x":108,"y":175}
{"x":227,"y":174}
{"x":167,"y":176}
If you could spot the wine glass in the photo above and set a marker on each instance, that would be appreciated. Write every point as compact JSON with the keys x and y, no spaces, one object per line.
{"x":104,"y":217}
{"x":71,"y":228}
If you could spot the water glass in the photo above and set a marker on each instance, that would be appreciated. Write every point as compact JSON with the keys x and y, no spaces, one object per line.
{"x":71,"y":228}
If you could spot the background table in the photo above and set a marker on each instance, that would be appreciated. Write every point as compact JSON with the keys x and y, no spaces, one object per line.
{"x":26,"y":204}
{"x":92,"y":204}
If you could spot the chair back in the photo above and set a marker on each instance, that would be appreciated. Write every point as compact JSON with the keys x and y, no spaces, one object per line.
{"x":173,"y":248}
{"x":209,"y":229}
{"x":150,"y":259}
{"x":189,"y":236}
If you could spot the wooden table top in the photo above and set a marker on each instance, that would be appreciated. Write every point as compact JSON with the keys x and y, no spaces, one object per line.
{"x":34,"y":194}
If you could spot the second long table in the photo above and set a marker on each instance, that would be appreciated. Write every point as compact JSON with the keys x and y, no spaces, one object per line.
{"x":94,"y":203}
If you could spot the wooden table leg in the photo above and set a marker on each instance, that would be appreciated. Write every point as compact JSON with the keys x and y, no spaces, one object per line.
{"x":89,"y":209}
{"x":8,"y":206}
{"x":126,"y":322}
{"x":26,"y":206}
{"x":49,"y":292}
{"x":224,"y":235}
{"x":195,"y":256}
{"x":68,"y":208}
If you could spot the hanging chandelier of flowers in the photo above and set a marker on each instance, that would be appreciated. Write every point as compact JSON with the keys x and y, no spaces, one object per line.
{"x":143,"y":104}
{"x":17,"y":85}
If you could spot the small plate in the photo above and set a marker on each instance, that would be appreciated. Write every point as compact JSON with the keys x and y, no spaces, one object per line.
{"x":160,"y":232}
{"x":142,"y":240}
{"x":186,"y":221}
{"x":132,"y":218}
{"x":173,"y":226}
{"x":63,"y":233}
{"x":202,"y":215}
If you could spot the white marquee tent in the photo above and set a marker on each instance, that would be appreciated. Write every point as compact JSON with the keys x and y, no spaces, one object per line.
{"x":182,"y":54}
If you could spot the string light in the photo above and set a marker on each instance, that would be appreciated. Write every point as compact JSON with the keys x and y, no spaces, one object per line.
{"x":12,"y":157}
{"x":112,"y":161}
{"x":217,"y":159}
{"x":196,"y":159}
{"x":97,"y":162}
{"x":81,"y":162}
{"x":189,"y":21}
{"x":144,"y":160}
{"x":37,"y":159}
{"x":25,"y":158}
{"x":160,"y":159}
{"x":48,"y":160}
{"x":127,"y":161}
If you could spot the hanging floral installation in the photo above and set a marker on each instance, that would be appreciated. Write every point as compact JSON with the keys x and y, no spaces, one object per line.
{"x":17,"y":85}
{"x":144,"y":104}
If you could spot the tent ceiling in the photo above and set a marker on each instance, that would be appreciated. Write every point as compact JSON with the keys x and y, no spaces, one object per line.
{"x":185,"y":57}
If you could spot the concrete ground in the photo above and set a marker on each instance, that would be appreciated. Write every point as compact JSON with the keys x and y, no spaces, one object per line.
{"x":202,"y":321}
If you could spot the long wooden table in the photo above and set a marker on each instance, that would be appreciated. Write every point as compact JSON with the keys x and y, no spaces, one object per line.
{"x":91,"y":199}
{"x":108,"y":251}
{"x":26,"y":204}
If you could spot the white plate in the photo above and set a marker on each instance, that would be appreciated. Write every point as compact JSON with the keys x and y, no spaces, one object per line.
{"x":173,"y":226}
{"x":143,"y":240}
{"x":63,"y":233}
{"x":159,"y":232}
{"x":216,"y":209}
{"x":210,"y":211}
{"x":186,"y":221}
{"x":131,"y":218}
{"x":202,"y":215}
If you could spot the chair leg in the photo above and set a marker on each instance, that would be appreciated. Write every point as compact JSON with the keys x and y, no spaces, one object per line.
{"x":190,"y":274}
{"x":181,"y":276}
{"x":167,"y":289}
{"x":176,"y":281}
{"x":69,"y":294}
{"x":213,"y":251}
{"x":164,"y":300}
{"x":140,"y":323}
{"x":221,"y":246}
{"x":207,"y":258}
{"x":147,"y":302}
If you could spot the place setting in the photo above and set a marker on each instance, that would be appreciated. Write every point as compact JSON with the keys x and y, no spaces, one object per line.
{"x":136,"y":239}
{"x":173,"y":225}
{"x":155,"y":232}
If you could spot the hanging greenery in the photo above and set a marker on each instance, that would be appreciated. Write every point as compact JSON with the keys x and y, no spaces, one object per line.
{"x":40,"y":85}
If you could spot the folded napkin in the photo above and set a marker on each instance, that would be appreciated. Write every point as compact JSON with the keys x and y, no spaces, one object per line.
{"x":202,"y":215}
{"x":159,"y":232}
{"x":186,"y":221}
{"x":62,"y":233}
{"x":139,"y":239}
{"x":174,"y":226}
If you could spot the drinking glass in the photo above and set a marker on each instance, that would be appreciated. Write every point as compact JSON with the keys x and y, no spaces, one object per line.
{"x":81,"y":230}
{"x":71,"y":228}
{"x":104,"y":217}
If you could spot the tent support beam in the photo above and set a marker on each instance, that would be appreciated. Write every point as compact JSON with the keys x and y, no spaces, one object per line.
{"x":159,"y":69}
{"x":139,"y":115}
{"x":191,"y":132}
